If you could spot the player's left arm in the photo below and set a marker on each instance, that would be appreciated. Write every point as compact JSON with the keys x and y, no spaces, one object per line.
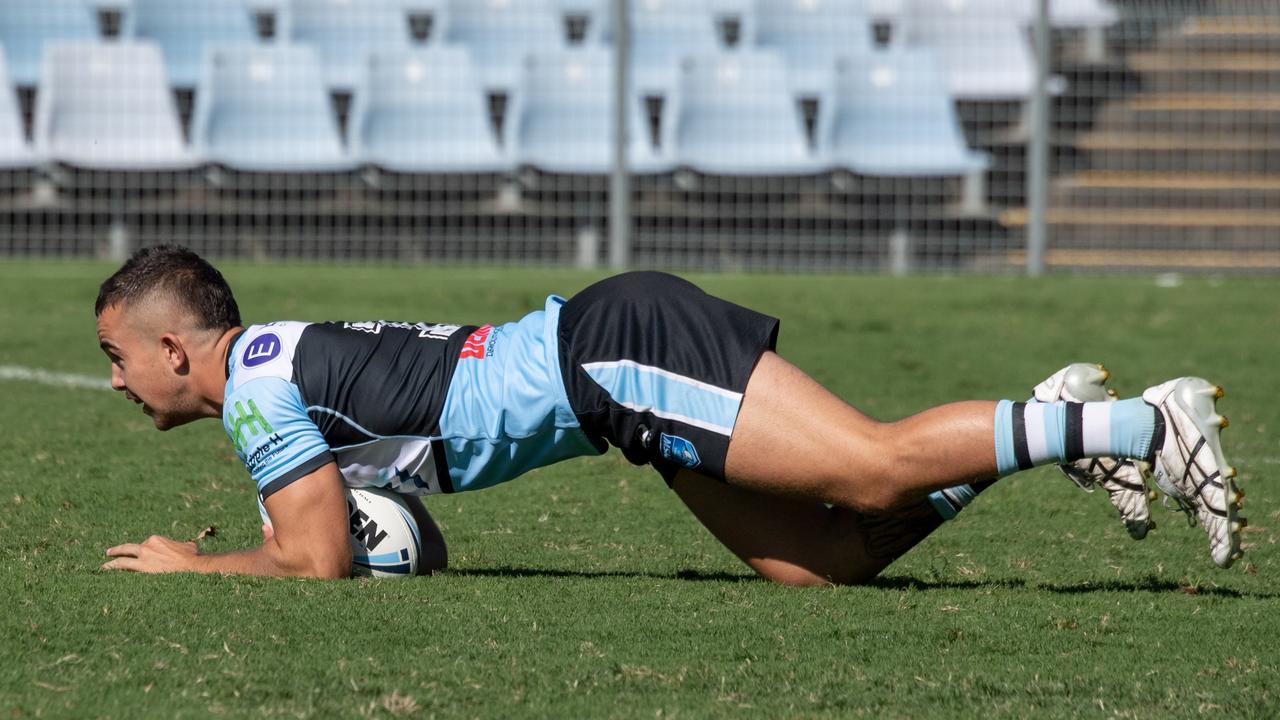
{"x":309,"y":538}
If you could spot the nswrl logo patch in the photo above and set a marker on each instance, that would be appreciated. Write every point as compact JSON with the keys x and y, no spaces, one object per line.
{"x":679,"y":450}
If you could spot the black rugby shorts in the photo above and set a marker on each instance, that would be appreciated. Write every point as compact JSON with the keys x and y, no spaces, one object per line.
{"x":657,"y":367}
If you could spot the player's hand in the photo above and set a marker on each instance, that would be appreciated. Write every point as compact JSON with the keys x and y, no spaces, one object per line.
{"x":156,"y":554}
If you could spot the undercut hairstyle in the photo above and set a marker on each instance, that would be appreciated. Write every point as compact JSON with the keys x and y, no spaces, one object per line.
{"x":178,"y":274}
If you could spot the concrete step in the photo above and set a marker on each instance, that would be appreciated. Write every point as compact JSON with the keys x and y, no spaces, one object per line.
{"x":1158,"y":228}
{"x":1267,"y":261}
{"x":1165,"y":72}
{"x":1205,"y":191}
{"x":1239,"y":33}
{"x":1248,"y":114}
{"x":1168,"y":152}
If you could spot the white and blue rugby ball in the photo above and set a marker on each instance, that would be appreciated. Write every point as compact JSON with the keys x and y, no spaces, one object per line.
{"x":385,"y":541}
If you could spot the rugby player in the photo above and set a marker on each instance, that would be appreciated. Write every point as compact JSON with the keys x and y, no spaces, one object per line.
{"x":797,"y":483}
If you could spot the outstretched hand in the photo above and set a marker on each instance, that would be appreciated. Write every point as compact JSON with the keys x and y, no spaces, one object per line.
{"x":156,"y":554}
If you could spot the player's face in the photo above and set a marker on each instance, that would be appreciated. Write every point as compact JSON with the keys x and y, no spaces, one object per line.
{"x":143,"y":368}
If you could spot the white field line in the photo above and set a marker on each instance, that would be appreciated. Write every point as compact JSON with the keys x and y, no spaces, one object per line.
{"x":44,"y":377}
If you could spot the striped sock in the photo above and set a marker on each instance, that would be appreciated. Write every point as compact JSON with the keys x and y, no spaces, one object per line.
{"x":951,"y":501}
{"x":1031,"y":434}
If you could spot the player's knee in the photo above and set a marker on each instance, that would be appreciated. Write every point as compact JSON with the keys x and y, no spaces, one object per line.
{"x":802,"y":577}
{"x":867,"y":494}
{"x":792,"y":576}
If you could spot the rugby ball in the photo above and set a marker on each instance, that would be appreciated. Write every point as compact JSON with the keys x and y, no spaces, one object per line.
{"x":385,"y":541}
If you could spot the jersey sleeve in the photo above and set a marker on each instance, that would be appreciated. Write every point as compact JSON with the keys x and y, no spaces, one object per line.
{"x":272,"y":434}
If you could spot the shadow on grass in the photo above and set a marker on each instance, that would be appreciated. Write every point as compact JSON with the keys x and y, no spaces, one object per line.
{"x":1150,"y":584}
{"x":519,"y":572}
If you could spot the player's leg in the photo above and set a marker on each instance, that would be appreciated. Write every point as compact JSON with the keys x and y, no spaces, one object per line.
{"x":793,"y":437}
{"x":804,"y":542}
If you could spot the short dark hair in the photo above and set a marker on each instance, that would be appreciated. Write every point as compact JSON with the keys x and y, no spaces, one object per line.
{"x":180,"y":274}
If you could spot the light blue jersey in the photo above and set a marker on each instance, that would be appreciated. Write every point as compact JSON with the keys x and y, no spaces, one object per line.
{"x":417,"y":408}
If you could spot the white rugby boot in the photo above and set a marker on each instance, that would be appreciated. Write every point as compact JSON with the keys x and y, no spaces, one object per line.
{"x":1121,"y":478}
{"x":1188,"y":464}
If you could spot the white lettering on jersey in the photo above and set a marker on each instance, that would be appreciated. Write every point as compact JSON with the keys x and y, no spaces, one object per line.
{"x":429,"y":331}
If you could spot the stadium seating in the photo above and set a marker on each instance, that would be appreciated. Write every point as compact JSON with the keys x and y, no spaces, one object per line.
{"x":735,"y":115}
{"x":14,"y":150}
{"x":25,"y":27}
{"x":424,"y":111}
{"x":186,"y":28}
{"x":108,"y":107}
{"x":981,"y":44}
{"x":344,"y":32}
{"x":891,"y":116}
{"x":501,"y":33}
{"x":811,"y":34}
{"x":267,"y":109}
{"x":663,"y":34}
{"x":563,"y":122}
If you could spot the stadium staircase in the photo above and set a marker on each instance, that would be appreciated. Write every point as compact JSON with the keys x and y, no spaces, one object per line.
{"x":1188,"y":159}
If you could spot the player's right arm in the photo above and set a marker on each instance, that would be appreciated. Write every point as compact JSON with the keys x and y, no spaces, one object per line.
{"x":310,"y":538}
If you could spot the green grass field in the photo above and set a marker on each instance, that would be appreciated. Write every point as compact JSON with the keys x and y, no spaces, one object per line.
{"x":586,"y":589}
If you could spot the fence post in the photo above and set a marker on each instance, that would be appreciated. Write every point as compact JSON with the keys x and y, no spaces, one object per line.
{"x":620,"y":184}
{"x":1038,"y":150}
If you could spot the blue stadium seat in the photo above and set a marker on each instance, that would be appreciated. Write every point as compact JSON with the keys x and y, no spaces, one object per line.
{"x":14,"y":150}
{"x":981,"y":44}
{"x":344,"y":32}
{"x":267,"y":109}
{"x":563,"y":120}
{"x":109,"y":107}
{"x":25,"y":27}
{"x":736,"y":116}
{"x":185,"y":28}
{"x":424,"y":111}
{"x":663,"y":34}
{"x":501,"y":33}
{"x":891,"y":116}
{"x":811,"y":34}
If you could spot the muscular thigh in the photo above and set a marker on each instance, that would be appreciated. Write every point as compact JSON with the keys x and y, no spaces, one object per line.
{"x":800,"y":542}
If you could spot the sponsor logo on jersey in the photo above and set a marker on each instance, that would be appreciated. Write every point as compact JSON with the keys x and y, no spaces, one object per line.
{"x":426,"y":331}
{"x":364,"y":529}
{"x":263,"y":349}
{"x":677,"y":449}
{"x":269,"y":447}
{"x":476,"y":345}
{"x":247,"y":424}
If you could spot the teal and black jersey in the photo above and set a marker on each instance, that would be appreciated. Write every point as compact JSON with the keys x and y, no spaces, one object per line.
{"x":417,"y":408}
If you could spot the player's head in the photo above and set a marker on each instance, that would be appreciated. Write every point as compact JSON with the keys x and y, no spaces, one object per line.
{"x":160,"y":317}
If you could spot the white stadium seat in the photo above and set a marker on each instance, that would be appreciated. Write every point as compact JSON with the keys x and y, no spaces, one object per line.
{"x":109,"y":107}
{"x":501,"y":33}
{"x":811,"y":34}
{"x":26,"y":25}
{"x":344,"y":32}
{"x":563,"y":121}
{"x":735,"y":115}
{"x":425,"y":111}
{"x":267,"y":109}
{"x":185,"y":29}
{"x":663,"y":34}
{"x":982,"y":45}
{"x":15,"y":152}
{"x":892,"y":116}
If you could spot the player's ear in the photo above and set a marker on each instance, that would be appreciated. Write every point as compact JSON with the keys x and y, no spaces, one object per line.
{"x":175,"y":353}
